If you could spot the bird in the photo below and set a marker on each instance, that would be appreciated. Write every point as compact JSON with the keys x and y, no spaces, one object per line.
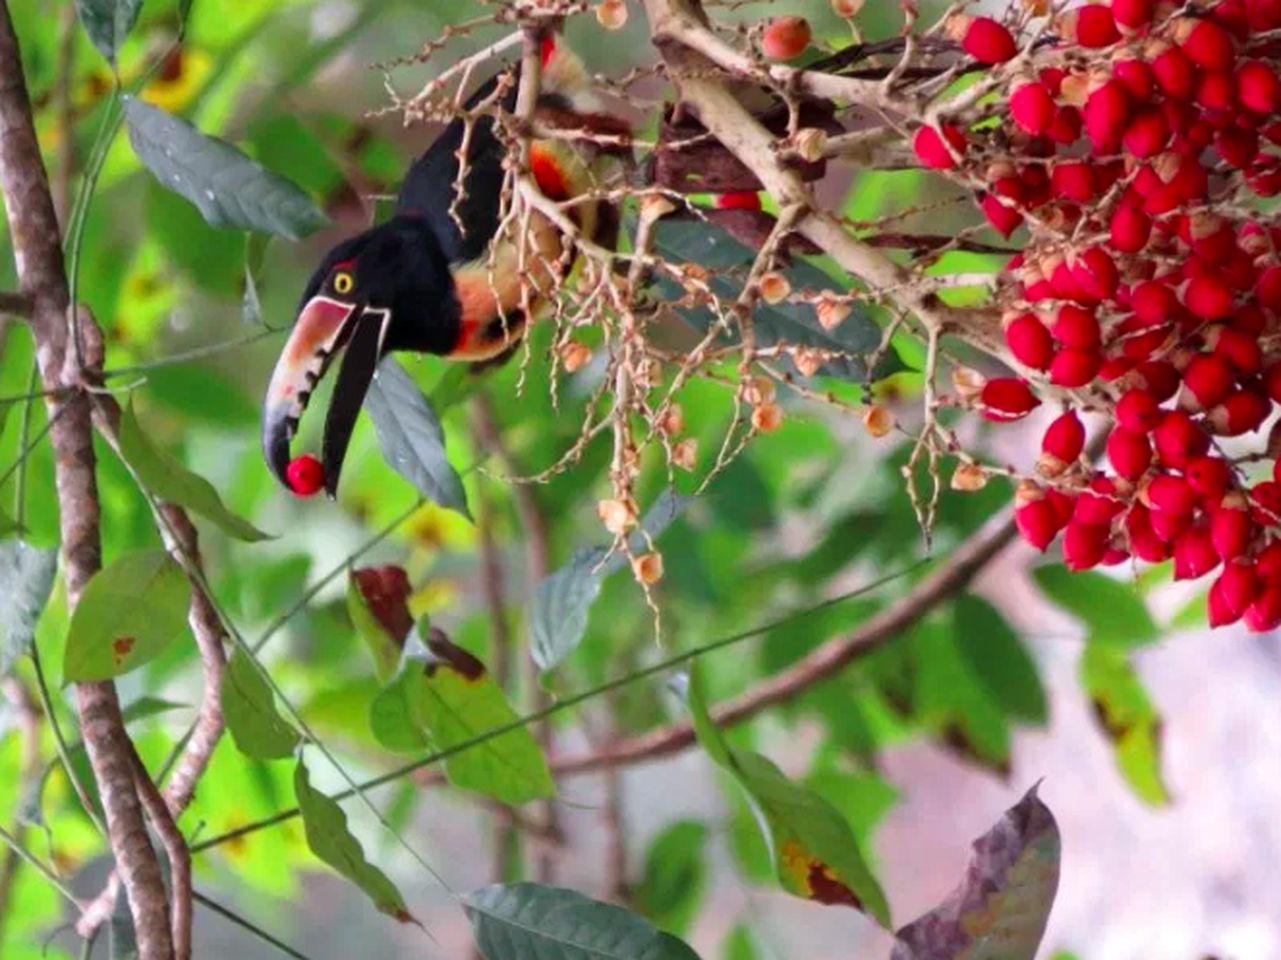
{"x":443,"y":275}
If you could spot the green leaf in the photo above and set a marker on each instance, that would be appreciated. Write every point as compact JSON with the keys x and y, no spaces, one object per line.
{"x":108,"y":22}
{"x":329,"y":838}
{"x":562,"y":601}
{"x":170,"y":480}
{"x":229,"y":188}
{"x":1114,"y":612}
{"x":815,"y":853}
{"x":7,"y":524}
{"x":412,"y":440}
{"x":457,"y":701}
{"x":526,"y":920}
{"x":675,"y":876}
{"x":378,"y":604}
{"x":740,"y":945}
{"x":998,"y":912}
{"x":26,"y":580}
{"x":250,"y":711}
{"x":251,"y":301}
{"x":393,"y":715}
{"x":129,"y":613}
{"x":998,"y":659}
{"x":1129,"y":719}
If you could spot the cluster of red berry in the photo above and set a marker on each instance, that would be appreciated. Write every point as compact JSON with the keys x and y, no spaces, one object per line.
{"x":1136,"y":139}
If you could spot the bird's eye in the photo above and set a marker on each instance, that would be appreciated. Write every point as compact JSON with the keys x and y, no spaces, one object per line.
{"x":343,"y":282}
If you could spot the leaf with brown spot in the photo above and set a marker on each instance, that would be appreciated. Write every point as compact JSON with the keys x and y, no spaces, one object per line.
{"x":1125,"y":712}
{"x":378,"y":603}
{"x":999,"y":910}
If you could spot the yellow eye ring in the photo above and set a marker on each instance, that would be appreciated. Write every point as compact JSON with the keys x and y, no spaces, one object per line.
{"x":343,"y":282}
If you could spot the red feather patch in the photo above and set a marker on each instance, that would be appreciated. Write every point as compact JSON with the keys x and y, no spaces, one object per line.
{"x":546,"y":170}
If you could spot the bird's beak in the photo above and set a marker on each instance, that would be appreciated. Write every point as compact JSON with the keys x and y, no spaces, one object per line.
{"x":324,"y":327}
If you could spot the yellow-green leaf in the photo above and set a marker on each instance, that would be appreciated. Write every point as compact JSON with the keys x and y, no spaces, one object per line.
{"x":1128,"y":717}
{"x":250,"y":711}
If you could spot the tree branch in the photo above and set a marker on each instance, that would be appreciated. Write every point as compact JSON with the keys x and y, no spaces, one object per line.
{"x":33,"y":225}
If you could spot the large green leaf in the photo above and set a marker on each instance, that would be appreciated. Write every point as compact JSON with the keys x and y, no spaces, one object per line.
{"x":1113,"y":611}
{"x":108,"y":22}
{"x":675,"y":876}
{"x":527,"y":921}
{"x":170,"y":480}
{"x":250,"y":711}
{"x":229,"y":188}
{"x":998,"y":912}
{"x":1128,"y":717}
{"x":330,"y":839}
{"x":815,"y":853}
{"x":26,"y":580}
{"x":558,"y":615}
{"x":998,"y":659}
{"x":457,"y":701}
{"x":393,"y":713}
{"x":129,"y":613}
{"x":411,"y":437}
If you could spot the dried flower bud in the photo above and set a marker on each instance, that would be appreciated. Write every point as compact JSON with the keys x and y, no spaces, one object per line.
{"x":810,"y":142}
{"x":617,"y":516}
{"x":685,"y":453}
{"x":767,"y":417}
{"x":774,"y":288}
{"x":673,"y":421}
{"x":648,"y":568}
{"x":695,"y":271}
{"x":758,"y":390}
{"x":831,"y":311}
{"x":967,"y":382}
{"x":611,"y":14}
{"x":968,"y":478}
{"x":574,"y":356}
{"x":878,"y":420}
{"x":655,"y":205}
{"x":808,"y":360}
{"x":650,"y":374}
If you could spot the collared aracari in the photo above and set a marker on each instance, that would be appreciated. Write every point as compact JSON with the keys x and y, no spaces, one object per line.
{"x":429,"y":280}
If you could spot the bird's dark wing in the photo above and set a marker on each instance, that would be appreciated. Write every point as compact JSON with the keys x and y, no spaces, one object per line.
{"x":429,"y":187}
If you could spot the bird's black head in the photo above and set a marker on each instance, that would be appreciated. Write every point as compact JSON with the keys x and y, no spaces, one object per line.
{"x":386,"y":289}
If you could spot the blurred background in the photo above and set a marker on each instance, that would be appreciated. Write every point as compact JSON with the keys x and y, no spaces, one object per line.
{"x":1172,"y":840}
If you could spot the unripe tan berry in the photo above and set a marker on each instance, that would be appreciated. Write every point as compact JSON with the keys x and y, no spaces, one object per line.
{"x":847,"y":8}
{"x":967,"y":382}
{"x":810,"y":142}
{"x":877,"y":420}
{"x":767,"y":417}
{"x":617,"y":516}
{"x":673,"y":421}
{"x":968,"y":478}
{"x":574,"y":356}
{"x":611,"y":14}
{"x":808,"y":360}
{"x":685,"y":453}
{"x":758,"y":390}
{"x":774,"y":287}
{"x":648,"y":568}
{"x":831,"y":311}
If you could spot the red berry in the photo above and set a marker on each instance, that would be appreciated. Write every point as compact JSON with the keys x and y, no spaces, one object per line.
{"x":932,"y":150}
{"x":1095,"y":27}
{"x":1170,"y":494}
{"x":1178,"y":438}
{"x":1268,"y":563}
{"x":988,"y":41}
{"x":1130,"y":229}
{"x":1033,"y":108}
{"x":1258,"y":88}
{"x":1076,"y":327}
{"x":1169,"y":526}
{"x":1208,"y":297}
{"x":1239,"y":584}
{"x":1106,"y":112}
{"x":1129,"y":453}
{"x":1084,"y":546}
{"x":786,"y":38}
{"x":305,"y":475}
{"x":738,"y":200}
{"x":1137,"y":77}
{"x":1138,"y":411}
{"x":1064,"y":439}
{"x":1236,"y":146}
{"x":1209,"y":46}
{"x":1208,"y":476}
{"x":1194,"y":554}
{"x":1003,"y":216}
{"x":1266,"y":503}
{"x":1038,"y":523}
{"x":1029,"y":341}
{"x":1007,"y":398}
{"x":1132,"y":13}
{"x":1175,"y":74}
{"x":1066,"y":126}
{"x":1242,"y":412}
{"x":1219,"y":612}
{"x":1147,"y":134}
{"x":1073,"y":367}
{"x":1209,"y":378}
{"x":1216,"y":92}
{"x":1144,"y":543}
{"x":1073,"y":180}
{"x":1231,"y":531}
{"x":1154,"y":302}
{"x":1157,"y":377}
{"x":1267,"y":289}
{"x":1265,"y":613}
{"x":1095,"y":275}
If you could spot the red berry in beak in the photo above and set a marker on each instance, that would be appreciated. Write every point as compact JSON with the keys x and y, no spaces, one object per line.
{"x":305,"y":475}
